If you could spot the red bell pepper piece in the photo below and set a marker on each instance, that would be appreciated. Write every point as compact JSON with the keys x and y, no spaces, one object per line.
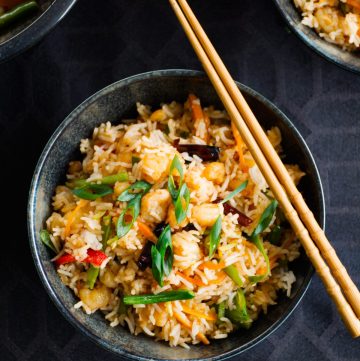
{"x":96,"y":258}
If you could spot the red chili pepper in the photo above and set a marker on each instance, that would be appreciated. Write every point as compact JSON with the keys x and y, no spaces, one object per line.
{"x":96,"y":258}
{"x":65,"y":258}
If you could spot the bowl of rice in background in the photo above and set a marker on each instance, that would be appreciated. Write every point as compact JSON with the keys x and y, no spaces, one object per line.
{"x":118,"y":102}
{"x":330,"y":27}
{"x":27,"y":31}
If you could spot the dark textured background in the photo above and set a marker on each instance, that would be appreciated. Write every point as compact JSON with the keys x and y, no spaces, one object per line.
{"x":102,"y":41}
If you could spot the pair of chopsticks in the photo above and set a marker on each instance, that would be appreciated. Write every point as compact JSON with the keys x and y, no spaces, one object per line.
{"x":312,"y":237}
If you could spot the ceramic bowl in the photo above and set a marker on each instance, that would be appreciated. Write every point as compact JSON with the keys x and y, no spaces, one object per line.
{"x":114,"y":103}
{"x":24,"y":34}
{"x":332,"y":52}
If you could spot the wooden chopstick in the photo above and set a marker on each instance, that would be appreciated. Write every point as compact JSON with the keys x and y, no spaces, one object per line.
{"x":345,"y":310}
{"x":327,"y":251}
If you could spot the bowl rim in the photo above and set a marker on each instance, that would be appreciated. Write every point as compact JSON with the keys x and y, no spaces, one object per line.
{"x":36,"y":30}
{"x":33,"y":194}
{"x":301,"y":34}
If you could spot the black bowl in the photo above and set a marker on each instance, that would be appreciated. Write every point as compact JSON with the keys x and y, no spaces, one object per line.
{"x":113,"y":103}
{"x":24,"y":34}
{"x":332,"y":52}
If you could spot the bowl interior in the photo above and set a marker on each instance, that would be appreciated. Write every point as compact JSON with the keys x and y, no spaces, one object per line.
{"x":112,"y":104}
{"x":334,"y":53}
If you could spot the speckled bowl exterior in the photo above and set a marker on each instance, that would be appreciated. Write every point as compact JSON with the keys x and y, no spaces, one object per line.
{"x":113,"y":103}
{"x":332,"y":52}
{"x":24,"y":34}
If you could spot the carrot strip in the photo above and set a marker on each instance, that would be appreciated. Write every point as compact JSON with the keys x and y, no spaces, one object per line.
{"x":184,"y":320}
{"x":146,"y":231}
{"x":212,"y":265}
{"x":239,"y":147}
{"x":198,"y":314}
{"x":194,"y":281}
{"x":219,"y":279}
{"x":199,"y":117}
{"x":82,"y":203}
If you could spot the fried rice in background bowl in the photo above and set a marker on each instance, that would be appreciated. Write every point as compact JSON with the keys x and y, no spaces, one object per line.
{"x":112,"y":104}
{"x":330,"y":27}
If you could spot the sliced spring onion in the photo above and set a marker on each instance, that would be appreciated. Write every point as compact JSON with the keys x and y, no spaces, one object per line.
{"x":240,"y":315}
{"x":138,"y":188}
{"x":92,"y":275}
{"x":239,"y":189}
{"x":275,"y":235}
{"x":265,"y":218}
{"x":182,"y":203}
{"x":122,"y":307}
{"x":158,"y":298}
{"x":45,"y":238}
{"x":214,"y":236}
{"x":132,"y":210}
{"x":264,"y":222}
{"x":233,"y":273}
{"x":92,"y":191}
{"x":106,"y":230}
{"x":135,"y":160}
{"x":221,"y":310}
{"x":162,"y":256}
{"x":133,"y":196}
{"x":112,"y":179}
{"x":175,"y":164}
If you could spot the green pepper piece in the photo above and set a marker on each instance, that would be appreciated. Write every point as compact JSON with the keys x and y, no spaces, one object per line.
{"x":92,"y":275}
{"x":18,"y":12}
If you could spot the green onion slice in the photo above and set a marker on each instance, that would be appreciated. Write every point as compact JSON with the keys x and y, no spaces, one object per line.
{"x":264,"y":222}
{"x":240,"y":315}
{"x":239,"y":189}
{"x":221,"y":310}
{"x":233,"y":273}
{"x":92,"y":191}
{"x":138,"y":188}
{"x":175,"y":164}
{"x":132,"y":209}
{"x":106,"y":230}
{"x":112,"y":179}
{"x":275,"y":235}
{"x":214,"y":236}
{"x":182,"y":203}
{"x":91,"y":275}
{"x":45,"y":238}
{"x":162,"y":256}
{"x":158,"y":298}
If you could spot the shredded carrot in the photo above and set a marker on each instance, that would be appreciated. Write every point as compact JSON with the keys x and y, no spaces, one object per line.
{"x":239,"y":148}
{"x":219,"y":279}
{"x":186,"y":322}
{"x":354,"y":3}
{"x":211,"y":265}
{"x":146,"y":231}
{"x":82,"y":203}
{"x":195,"y":281}
{"x":199,"y":117}
{"x":190,"y":311}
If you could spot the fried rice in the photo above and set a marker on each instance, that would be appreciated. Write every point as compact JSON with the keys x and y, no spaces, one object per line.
{"x":143,"y":149}
{"x":337,"y":21}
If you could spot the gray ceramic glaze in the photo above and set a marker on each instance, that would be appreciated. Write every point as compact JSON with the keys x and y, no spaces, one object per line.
{"x":113,"y":103}
{"x":24,"y":34}
{"x":334,"y":53}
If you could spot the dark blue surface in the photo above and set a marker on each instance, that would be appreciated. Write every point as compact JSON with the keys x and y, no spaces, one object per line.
{"x":100,"y":42}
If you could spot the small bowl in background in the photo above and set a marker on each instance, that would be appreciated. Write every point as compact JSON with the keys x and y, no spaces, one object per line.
{"x":26,"y":32}
{"x":117,"y":102}
{"x":332,"y":52}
